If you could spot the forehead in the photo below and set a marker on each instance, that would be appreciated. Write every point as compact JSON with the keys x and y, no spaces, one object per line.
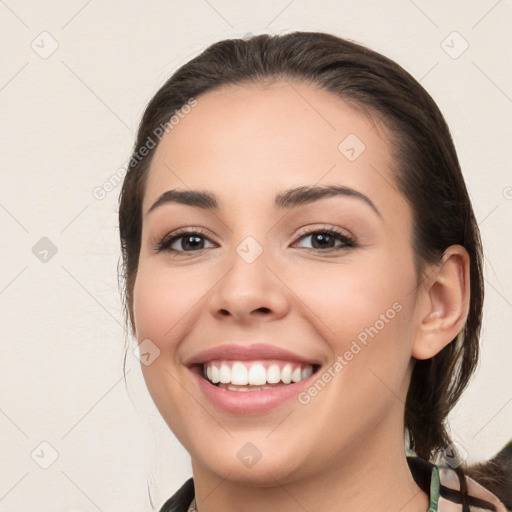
{"x":256,"y":138}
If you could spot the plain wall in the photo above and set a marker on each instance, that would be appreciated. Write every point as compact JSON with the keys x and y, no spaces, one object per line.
{"x":68,"y":121}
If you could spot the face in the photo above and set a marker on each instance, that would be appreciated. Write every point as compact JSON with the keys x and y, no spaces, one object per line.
{"x":270,"y":286}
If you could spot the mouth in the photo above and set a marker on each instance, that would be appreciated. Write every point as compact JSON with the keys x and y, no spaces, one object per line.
{"x":251,"y":379}
{"x":257,"y":375}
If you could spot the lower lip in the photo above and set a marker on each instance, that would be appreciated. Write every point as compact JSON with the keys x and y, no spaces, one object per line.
{"x":249,"y":402}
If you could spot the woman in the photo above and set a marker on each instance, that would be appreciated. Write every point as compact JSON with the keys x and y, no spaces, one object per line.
{"x":303,"y":270}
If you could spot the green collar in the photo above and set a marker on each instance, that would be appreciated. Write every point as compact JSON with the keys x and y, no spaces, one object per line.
{"x":426,"y":475}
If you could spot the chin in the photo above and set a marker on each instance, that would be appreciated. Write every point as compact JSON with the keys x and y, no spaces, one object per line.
{"x":275,"y":465}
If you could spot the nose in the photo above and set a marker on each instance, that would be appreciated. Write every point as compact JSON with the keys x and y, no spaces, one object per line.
{"x":250,"y":290}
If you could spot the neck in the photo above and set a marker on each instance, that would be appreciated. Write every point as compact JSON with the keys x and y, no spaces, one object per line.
{"x":376,"y":478}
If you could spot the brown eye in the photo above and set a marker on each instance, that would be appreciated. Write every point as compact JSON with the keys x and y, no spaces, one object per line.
{"x":325,"y":240}
{"x":185,"y":241}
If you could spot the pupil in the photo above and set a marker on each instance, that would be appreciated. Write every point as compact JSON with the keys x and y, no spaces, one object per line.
{"x":197,"y":241}
{"x":321,"y":237}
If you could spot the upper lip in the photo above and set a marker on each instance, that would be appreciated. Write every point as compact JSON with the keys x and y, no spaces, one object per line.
{"x":247,"y":353}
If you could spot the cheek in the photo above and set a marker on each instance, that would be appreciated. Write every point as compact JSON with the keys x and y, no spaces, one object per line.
{"x":347,"y":299}
{"x":162,"y":299}
{"x":364,"y":310}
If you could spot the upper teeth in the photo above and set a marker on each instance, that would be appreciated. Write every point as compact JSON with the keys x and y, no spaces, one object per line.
{"x":256,"y":372}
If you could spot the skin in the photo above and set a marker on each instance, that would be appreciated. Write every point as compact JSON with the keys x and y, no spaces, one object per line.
{"x":247,"y":144}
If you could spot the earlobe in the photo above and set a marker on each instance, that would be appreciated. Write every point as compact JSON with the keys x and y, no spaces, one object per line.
{"x":446,"y":298}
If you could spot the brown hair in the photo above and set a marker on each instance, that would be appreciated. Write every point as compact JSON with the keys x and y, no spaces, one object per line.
{"x":427,"y":174}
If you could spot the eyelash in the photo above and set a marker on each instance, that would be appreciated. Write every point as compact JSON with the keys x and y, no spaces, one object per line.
{"x":348,"y":242}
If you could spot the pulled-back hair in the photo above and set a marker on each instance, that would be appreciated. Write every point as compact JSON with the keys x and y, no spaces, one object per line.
{"x":426,"y":172}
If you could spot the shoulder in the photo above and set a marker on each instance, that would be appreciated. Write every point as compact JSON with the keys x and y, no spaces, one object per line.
{"x":442,"y":485}
{"x":180,"y":500}
{"x":489,"y":480}
{"x":481,"y":498}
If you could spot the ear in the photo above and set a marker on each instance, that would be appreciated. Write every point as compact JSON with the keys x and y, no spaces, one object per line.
{"x":444,"y":303}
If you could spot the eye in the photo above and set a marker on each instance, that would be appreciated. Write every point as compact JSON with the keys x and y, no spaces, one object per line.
{"x":324,"y":240}
{"x":183,"y":241}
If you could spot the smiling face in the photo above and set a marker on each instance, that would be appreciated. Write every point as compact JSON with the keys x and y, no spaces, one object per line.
{"x":324,"y":283}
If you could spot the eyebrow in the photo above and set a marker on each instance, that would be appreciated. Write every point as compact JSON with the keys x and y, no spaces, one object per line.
{"x":288,"y":199}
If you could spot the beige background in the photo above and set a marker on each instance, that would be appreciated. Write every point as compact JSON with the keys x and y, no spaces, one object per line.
{"x":67,"y":126}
